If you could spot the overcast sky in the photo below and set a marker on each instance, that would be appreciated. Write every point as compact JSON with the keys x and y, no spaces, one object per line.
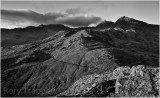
{"x":75,"y":13}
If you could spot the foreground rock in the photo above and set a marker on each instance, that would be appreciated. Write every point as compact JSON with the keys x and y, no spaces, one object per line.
{"x":138,"y":81}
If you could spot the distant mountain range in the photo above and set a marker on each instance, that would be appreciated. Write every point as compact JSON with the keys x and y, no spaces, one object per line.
{"x":19,"y":36}
{"x":112,"y":59}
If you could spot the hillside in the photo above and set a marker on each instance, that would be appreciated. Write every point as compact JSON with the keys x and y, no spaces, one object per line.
{"x":20,"y":36}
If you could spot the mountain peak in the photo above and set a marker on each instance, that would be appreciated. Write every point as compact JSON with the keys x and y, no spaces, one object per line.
{"x":125,"y":18}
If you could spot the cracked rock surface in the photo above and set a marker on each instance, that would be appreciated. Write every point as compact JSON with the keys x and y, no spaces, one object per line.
{"x":137,"y":81}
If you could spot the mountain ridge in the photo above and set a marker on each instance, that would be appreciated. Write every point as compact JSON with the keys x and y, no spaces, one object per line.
{"x":19,"y":36}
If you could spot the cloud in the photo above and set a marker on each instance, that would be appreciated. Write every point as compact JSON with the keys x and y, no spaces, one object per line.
{"x":75,"y":11}
{"x":79,"y":20}
{"x":71,"y":17}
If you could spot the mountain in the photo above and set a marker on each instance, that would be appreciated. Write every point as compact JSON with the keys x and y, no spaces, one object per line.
{"x":19,"y":36}
{"x":124,"y":22}
{"x":105,"y":24}
{"x":107,"y":60}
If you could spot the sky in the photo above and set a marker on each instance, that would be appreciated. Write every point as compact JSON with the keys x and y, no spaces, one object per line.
{"x":75,"y":13}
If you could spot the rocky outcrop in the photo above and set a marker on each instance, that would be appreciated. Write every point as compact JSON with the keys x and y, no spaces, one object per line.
{"x":138,"y":81}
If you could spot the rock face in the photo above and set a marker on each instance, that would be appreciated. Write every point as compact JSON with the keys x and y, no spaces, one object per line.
{"x":138,"y":81}
{"x":88,"y":62}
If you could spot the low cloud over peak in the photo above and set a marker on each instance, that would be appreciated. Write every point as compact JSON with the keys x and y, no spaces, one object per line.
{"x":72,"y":17}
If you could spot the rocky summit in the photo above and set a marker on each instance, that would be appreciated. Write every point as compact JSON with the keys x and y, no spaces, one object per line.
{"x":112,"y":59}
